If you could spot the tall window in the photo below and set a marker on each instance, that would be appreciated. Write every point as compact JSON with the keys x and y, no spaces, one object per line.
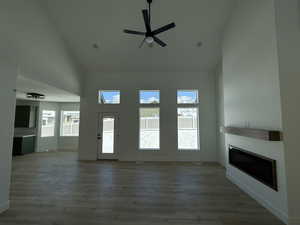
{"x":109,"y":97}
{"x":48,"y":123}
{"x":149,"y":120}
{"x":188,"y":120}
{"x":69,"y":123}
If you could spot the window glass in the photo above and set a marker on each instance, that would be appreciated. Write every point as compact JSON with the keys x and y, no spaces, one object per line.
{"x":188,"y":128}
{"x":149,"y":128}
{"x":48,"y":123}
{"x":187,"y":97}
{"x":70,"y":123}
{"x":149,"y":97}
{"x":108,"y":135}
{"x":109,"y":97}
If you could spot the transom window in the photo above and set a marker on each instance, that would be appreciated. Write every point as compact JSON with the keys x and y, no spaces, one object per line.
{"x":109,"y":97}
{"x":149,"y":97}
{"x":187,"y":97}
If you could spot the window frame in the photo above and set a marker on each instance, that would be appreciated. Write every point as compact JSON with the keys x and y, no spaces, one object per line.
{"x":104,"y":103}
{"x":187,"y":106}
{"x":198,"y":131}
{"x":139,"y":142}
{"x":62,"y":124}
{"x":148,"y":104}
{"x":54,"y":126}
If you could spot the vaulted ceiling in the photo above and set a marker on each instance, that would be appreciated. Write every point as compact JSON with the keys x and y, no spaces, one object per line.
{"x":85,"y":22}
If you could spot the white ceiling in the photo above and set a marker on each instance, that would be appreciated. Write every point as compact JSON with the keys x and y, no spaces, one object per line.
{"x":84,"y":22}
{"x":52,"y":94}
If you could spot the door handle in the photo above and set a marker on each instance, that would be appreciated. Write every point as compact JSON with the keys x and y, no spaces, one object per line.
{"x":99,"y":137}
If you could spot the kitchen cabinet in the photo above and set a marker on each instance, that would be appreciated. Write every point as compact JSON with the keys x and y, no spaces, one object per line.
{"x":23,"y":144}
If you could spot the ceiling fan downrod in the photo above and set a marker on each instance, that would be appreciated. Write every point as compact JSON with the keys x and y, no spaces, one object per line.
{"x":149,"y":9}
{"x":150,"y":35}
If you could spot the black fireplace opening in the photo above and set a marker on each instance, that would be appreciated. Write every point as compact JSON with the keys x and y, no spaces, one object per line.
{"x":259,"y":167}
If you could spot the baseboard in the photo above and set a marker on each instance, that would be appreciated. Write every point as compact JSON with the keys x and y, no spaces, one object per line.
{"x":276,"y":212}
{"x":67,"y":150}
{"x":4,"y":206}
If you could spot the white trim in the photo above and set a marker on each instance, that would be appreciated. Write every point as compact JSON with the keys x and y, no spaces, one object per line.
{"x":275,"y":211}
{"x":4,"y":206}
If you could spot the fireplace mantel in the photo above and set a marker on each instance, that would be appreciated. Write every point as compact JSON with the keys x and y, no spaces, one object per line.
{"x":267,"y":135}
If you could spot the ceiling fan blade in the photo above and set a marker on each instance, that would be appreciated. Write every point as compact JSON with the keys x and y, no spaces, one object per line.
{"x":146,"y":20}
{"x":160,"y":42}
{"x":134,"y":32}
{"x":163,"y":29}
{"x":142,"y":43}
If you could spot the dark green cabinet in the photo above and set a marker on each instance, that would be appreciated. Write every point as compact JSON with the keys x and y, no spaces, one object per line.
{"x":23,"y":145}
{"x":25,"y":116}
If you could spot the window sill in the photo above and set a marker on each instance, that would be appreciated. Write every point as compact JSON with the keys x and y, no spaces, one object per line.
{"x":69,"y":136}
{"x":149,"y":149}
{"x":189,"y":150}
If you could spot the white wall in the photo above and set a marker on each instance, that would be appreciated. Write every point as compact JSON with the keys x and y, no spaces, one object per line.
{"x":220,"y":116}
{"x":8,"y":74}
{"x":68,"y":143}
{"x":130,"y":84}
{"x":252,"y":94}
{"x":288,"y":32}
{"x":36,"y":45}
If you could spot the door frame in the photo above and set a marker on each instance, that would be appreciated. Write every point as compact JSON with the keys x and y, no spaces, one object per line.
{"x":108,"y":156}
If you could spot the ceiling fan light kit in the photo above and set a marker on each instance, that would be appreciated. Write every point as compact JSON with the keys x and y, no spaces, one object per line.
{"x":34,"y":95}
{"x":150,"y":35}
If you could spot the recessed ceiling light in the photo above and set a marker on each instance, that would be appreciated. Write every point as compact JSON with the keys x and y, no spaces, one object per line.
{"x":95,"y":46}
{"x":199,"y":44}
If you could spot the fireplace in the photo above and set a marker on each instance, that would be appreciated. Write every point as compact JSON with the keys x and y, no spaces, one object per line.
{"x":259,"y":167}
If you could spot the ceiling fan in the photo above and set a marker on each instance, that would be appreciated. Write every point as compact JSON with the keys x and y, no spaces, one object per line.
{"x":150,"y":35}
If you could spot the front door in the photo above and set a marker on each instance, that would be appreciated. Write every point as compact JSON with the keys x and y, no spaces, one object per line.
{"x":108,"y":135}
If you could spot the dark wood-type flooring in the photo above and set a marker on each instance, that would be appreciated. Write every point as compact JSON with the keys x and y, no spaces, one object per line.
{"x":56,"y":189}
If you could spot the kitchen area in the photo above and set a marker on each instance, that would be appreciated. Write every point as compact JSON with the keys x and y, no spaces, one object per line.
{"x":26,"y":127}
{"x":42,"y":126}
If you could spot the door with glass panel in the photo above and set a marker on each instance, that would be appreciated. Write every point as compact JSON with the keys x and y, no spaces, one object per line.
{"x":108,"y":135}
